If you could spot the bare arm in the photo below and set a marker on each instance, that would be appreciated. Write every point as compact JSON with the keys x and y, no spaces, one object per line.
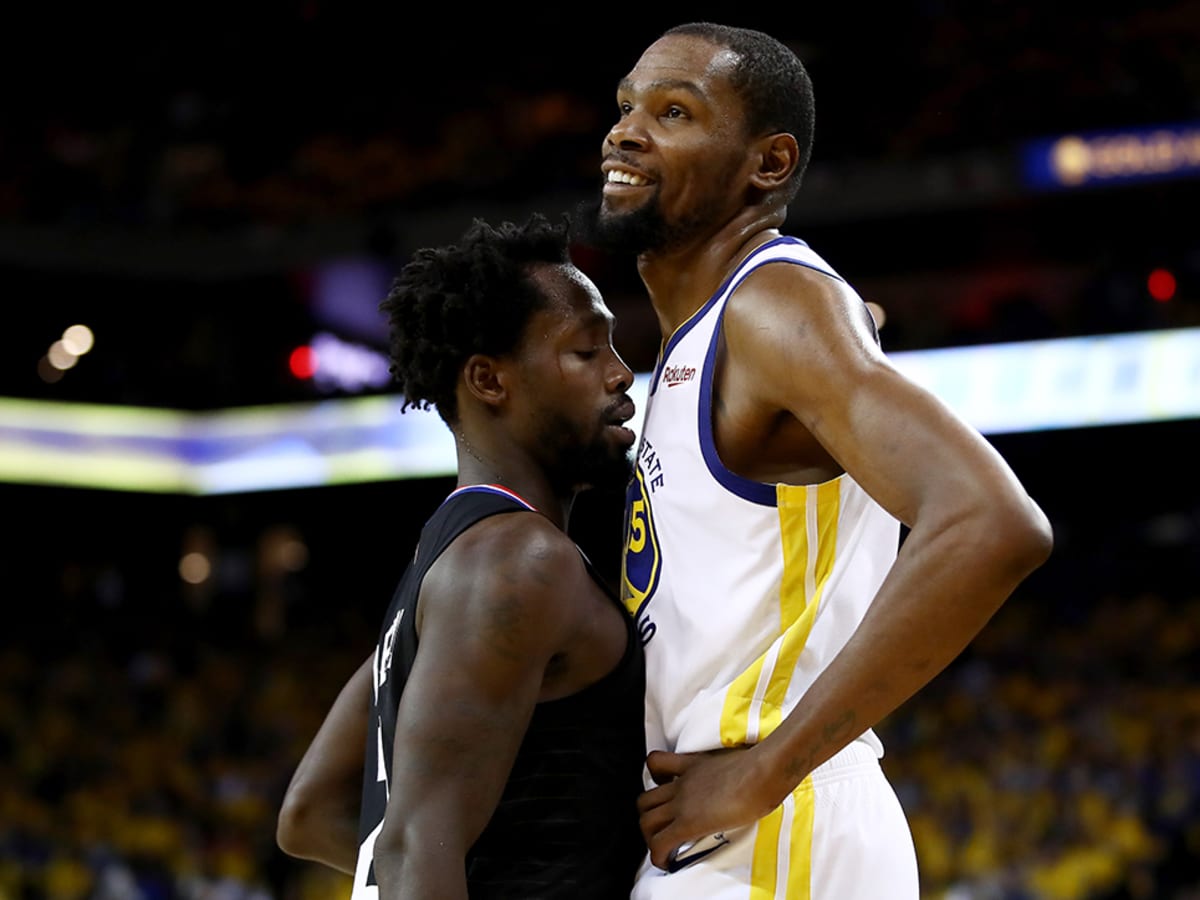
{"x":493,"y":618}
{"x":318,"y":819}
{"x":975,"y":535}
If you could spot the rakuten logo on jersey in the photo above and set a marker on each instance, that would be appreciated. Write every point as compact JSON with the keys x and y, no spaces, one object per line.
{"x":677,"y":375}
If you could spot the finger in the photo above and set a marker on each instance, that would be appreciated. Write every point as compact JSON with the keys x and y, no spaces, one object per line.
{"x":662,"y":845}
{"x":654,"y":821}
{"x":664,"y":766}
{"x":656,"y":796}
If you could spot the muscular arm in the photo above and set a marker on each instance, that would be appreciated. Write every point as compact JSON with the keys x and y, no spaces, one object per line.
{"x":975,"y":535}
{"x":493,"y":617}
{"x":318,"y":819}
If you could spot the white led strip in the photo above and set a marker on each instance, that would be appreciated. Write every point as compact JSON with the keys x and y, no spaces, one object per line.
{"x":997,"y":388}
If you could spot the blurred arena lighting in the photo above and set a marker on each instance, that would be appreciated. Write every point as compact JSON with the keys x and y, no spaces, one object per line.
{"x":345,"y":366}
{"x":47,"y":371}
{"x":78,"y":339}
{"x":65,"y":352}
{"x":335,"y":365}
{"x":60,"y":357}
{"x":302,"y":362}
{"x":1161,"y":285}
{"x":195,"y":568}
{"x":282,"y":550}
{"x":1011,"y":387}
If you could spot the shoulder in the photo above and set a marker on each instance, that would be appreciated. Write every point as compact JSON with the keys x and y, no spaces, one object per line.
{"x":784,"y":292}
{"x":795,"y":334}
{"x":521,"y":541}
{"x":517,"y":566}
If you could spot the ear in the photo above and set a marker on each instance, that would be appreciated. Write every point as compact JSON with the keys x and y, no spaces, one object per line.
{"x":485,"y":379}
{"x":778,"y":156}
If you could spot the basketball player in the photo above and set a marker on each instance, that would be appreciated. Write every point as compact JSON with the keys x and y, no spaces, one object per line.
{"x":779,"y":455}
{"x":502,"y":709}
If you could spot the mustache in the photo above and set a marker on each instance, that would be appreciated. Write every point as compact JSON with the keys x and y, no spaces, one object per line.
{"x":616,"y":411}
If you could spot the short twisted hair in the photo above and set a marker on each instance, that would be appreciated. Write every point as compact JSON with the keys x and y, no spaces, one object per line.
{"x":775,"y":88}
{"x":475,"y":296}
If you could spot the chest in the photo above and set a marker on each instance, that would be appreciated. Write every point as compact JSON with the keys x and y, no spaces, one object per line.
{"x":738,"y":421}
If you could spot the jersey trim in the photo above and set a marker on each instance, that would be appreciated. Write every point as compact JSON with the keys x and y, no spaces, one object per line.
{"x":490,"y":489}
{"x":746,"y":488}
{"x":695,"y":317}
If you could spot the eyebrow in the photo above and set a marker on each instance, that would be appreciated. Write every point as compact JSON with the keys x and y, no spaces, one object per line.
{"x":663,"y":84}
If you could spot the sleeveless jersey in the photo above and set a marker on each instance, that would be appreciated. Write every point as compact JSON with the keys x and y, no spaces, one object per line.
{"x":566,"y":824}
{"x":743,"y":591}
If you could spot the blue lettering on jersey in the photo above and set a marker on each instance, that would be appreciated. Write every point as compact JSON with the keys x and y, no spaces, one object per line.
{"x":649,"y":460}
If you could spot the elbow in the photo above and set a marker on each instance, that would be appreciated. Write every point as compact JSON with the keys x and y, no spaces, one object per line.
{"x":1021,"y":538}
{"x":1034,"y":538}
{"x":293,"y":826}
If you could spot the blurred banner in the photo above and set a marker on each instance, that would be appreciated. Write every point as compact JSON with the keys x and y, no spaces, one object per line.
{"x":1027,"y":386}
{"x":1113,"y":157}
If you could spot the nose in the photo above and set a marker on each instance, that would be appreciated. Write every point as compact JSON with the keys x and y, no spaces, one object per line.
{"x":626,"y":134}
{"x":620,"y":376}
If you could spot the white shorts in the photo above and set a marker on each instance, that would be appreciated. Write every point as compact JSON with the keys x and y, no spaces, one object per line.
{"x":841,"y":835}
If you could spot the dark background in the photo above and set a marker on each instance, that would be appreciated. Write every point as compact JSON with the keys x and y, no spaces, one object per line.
{"x":177,"y":181}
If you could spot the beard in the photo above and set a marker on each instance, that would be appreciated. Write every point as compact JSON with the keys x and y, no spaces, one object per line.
{"x":641,"y":230}
{"x":581,"y":463}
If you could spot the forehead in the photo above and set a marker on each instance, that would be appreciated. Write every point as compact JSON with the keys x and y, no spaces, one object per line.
{"x":684,"y":59}
{"x":573,"y":299}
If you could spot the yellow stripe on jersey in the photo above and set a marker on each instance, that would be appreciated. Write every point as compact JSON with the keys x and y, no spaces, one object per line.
{"x":799,"y":876}
{"x":783,"y":868}
{"x":808,"y":519}
{"x":764,"y":866}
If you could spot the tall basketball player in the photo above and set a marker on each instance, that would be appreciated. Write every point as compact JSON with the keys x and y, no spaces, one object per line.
{"x":779,"y":455}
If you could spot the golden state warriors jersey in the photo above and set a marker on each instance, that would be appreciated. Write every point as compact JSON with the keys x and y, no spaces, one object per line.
{"x":743,"y":592}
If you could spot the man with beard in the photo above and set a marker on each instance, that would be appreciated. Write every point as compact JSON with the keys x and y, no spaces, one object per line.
{"x":780,"y":453}
{"x":501,"y":712}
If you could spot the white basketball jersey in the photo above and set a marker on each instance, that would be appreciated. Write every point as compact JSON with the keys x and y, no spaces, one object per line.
{"x":743,"y":591}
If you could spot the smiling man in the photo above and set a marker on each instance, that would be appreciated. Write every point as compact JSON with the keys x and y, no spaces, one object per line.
{"x":501,"y":712}
{"x":780,"y":453}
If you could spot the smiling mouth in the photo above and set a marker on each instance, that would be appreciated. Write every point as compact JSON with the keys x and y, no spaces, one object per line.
{"x":620,"y":176}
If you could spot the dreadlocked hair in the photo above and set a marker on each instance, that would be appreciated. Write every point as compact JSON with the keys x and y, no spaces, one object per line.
{"x":475,"y":296}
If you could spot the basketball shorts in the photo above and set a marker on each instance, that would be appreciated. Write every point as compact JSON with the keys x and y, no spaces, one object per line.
{"x":840,"y":835}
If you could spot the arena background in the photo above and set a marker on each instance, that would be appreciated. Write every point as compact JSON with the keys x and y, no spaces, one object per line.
{"x":209,"y":189}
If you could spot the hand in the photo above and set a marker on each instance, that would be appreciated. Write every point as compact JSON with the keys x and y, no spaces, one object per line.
{"x":699,"y":794}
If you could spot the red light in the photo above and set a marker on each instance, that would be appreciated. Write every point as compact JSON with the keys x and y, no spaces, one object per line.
{"x":1161,"y":285}
{"x":303,"y":362}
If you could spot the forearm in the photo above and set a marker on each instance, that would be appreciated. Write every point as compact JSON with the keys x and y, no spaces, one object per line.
{"x":417,"y":861}
{"x":318,"y":819}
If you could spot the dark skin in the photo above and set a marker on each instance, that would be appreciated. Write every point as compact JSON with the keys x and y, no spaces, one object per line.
{"x":803,"y":394}
{"x":508,"y":616}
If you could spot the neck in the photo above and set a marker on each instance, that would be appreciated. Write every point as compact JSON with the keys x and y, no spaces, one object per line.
{"x":522,"y":477}
{"x":681,"y":279}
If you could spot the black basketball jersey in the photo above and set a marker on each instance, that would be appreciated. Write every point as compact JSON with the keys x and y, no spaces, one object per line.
{"x":566,"y":824}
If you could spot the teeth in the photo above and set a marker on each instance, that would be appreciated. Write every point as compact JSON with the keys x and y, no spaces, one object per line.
{"x":619,"y":177}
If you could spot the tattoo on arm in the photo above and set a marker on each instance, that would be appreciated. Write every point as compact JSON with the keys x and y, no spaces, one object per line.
{"x":835,"y":733}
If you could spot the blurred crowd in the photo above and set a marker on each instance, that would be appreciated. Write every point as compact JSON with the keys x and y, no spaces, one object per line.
{"x":307,"y":111}
{"x":146,"y":737}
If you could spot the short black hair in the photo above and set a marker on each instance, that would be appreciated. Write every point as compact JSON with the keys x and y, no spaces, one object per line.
{"x":774,"y":85}
{"x":473,"y":296}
